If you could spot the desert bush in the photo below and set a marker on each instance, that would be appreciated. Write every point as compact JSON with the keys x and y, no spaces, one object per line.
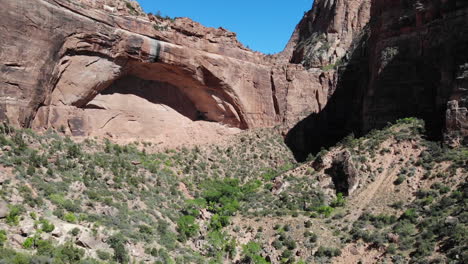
{"x":339,"y":201}
{"x":75,"y":231}
{"x":187,"y":227}
{"x":327,"y":252}
{"x":14,"y":214}
{"x":70,"y":217}
{"x":251,"y":252}
{"x":325,"y":210}
{"x":117,"y":243}
{"x":3,"y":238}
{"x":46,"y":226}
{"x":103,"y":255}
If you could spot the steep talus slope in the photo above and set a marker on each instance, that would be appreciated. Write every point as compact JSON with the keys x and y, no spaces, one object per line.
{"x":408,"y":61}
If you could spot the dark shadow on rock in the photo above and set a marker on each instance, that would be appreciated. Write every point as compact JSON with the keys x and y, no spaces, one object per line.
{"x":156,"y":92}
{"x":341,"y":115}
{"x":343,"y":173}
{"x":385,"y":79}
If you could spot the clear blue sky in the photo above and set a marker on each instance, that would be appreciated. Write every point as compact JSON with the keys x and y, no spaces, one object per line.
{"x":263,"y":25}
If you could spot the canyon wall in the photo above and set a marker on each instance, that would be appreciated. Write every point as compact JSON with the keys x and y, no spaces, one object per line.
{"x":410,"y":60}
{"x":104,"y":68}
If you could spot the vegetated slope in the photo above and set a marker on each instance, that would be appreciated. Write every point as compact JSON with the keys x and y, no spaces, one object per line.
{"x":388,"y":196}
{"x":118,"y":202}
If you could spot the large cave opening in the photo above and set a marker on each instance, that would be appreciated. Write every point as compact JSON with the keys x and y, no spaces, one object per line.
{"x":169,"y":92}
{"x":152,"y":92}
{"x":167,"y":104}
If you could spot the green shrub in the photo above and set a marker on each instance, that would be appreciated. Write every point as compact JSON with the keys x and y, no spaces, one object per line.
{"x":3,"y":238}
{"x":286,"y":254}
{"x":325,"y":210}
{"x":75,"y":231}
{"x":290,"y":243}
{"x":69,"y":253}
{"x":14,"y":213}
{"x":187,"y":227}
{"x":401,"y":178}
{"x":33,"y":215}
{"x":70,"y":217}
{"x":397,"y":205}
{"x":29,"y":242}
{"x":327,"y":252}
{"x":73,"y":151}
{"x":46,"y":226}
{"x":251,"y":252}
{"x":117,"y":243}
{"x":103,"y":255}
{"x":410,"y":214}
{"x":145,"y":229}
{"x":404,"y":228}
{"x":44,"y":247}
{"x":277,"y":244}
{"x":313,"y":238}
{"x":339,"y":201}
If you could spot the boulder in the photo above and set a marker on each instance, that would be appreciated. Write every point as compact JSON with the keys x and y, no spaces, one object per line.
{"x":56,"y":232}
{"x":3,"y":209}
{"x":27,"y":228}
{"x":394,"y":238}
{"x":88,"y":241}
{"x":451,"y":220}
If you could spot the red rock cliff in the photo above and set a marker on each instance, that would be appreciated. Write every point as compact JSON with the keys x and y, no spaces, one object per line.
{"x":98,"y":68}
{"x":106,"y":68}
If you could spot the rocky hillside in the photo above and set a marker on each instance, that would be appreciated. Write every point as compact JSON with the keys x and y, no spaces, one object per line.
{"x":390,"y":196}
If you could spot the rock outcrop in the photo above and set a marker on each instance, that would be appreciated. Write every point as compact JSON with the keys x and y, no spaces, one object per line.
{"x":418,"y":54}
{"x":324,"y":36}
{"x":3,"y":209}
{"x":341,"y":169}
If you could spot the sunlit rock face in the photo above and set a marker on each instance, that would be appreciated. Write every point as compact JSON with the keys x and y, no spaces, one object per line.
{"x":77,"y":64}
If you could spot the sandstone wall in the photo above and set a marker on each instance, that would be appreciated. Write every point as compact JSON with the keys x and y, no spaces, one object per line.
{"x":96,"y":68}
{"x":59,"y":55}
